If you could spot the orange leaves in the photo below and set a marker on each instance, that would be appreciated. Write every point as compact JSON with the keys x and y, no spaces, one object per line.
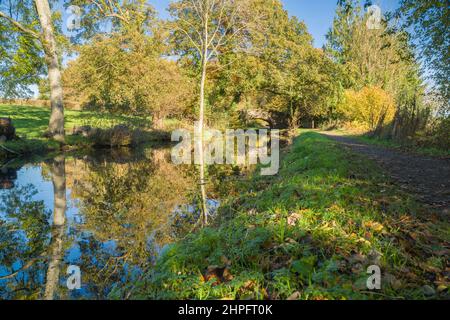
{"x":374,"y":226}
{"x":217,"y":274}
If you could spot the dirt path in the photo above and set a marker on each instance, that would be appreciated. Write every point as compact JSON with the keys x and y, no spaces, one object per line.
{"x":426,"y":177}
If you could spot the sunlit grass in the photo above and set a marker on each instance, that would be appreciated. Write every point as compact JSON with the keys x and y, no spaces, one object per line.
{"x":389,"y":143}
{"x":309,"y":233}
{"x":31,"y":122}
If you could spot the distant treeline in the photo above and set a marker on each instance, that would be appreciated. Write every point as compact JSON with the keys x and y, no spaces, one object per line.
{"x":244,"y":63}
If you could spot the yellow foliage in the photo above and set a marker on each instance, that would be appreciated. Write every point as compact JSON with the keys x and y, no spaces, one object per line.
{"x":371,"y":106}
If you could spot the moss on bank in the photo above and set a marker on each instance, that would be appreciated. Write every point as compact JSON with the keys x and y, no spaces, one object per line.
{"x":309,"y":233}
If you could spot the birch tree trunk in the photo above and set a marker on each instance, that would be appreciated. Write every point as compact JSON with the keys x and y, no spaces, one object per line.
{"x":56,"y":123}
{"x":58,"y":172}
{"x":209,"y":25}
{"x":202,"y":121}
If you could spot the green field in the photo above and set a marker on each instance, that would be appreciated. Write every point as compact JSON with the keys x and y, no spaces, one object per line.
{"x":31,"y":122}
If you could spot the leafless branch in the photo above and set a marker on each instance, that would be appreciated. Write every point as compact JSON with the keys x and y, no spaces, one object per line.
{"x":191,"y":40}
{"x":111,"y":13}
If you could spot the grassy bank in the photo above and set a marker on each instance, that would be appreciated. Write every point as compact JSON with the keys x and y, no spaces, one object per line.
{"x":389,"y":143}
{"x":427,"y":151}
{"x":309,"y":233}
{"x":31,"y":122}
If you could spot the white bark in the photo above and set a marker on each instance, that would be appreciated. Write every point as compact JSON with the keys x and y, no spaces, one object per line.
{"x":56,"y":123}
{"x":58,"y":173}
{"x":207,"y":37}
{"x":202,"y":120}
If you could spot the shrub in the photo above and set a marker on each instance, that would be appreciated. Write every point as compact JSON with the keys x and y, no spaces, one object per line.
{"x":118,"y":136}
{"x":371,"y":106}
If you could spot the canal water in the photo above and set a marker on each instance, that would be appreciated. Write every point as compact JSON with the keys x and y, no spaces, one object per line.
{"x":109,"y":213}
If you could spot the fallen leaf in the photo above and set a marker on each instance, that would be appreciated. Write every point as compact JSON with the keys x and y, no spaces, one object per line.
{"x":293,"y":219}
{"x":218,"y":273}
{"x":375,"y":226}
{"x":294,"y":296}
{"x":442,"y":288}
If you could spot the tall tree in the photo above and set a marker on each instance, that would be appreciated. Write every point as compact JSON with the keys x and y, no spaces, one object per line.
{"x":121,"y":65}
{"x":378,"y":57}
{"x":204,"y":29}
{"x":56,"y":124}
{"x":299,"y":77}
{"x":430,"y":25}
{"x":125,"y":74}
{"x":281,"y":80}
{"x":26,"y":23}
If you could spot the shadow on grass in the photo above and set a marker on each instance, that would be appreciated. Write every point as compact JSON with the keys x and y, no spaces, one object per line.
{"x":29,"y":121}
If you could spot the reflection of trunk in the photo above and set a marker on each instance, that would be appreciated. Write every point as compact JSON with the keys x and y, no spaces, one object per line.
{"x":158,"y":122}
{"x":58,"y":173}
{"x":56,"y":124}
{"x":201,"y":122}
{"x":159,"y":156}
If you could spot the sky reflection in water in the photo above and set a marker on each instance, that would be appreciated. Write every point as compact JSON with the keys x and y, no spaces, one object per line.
{"x":122,"y":208}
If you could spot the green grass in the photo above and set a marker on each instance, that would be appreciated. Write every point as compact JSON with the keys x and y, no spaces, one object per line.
{"x":428,"y":151}
{"x":308,"y":233}
{"x":389,"y":143}
{"x":31,"y":122}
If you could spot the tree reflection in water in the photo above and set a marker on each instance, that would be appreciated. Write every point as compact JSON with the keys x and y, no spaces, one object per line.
{"x":121,"y":209}
{"x":55,"y":249}
{"x":24,"y":235}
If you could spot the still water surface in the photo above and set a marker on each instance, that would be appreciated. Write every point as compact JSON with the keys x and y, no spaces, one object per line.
{"x":109,"y":212}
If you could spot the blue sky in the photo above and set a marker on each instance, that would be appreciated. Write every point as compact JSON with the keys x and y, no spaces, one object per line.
{"x":317,"y":14}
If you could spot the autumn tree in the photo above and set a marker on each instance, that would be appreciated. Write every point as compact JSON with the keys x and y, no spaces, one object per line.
{"x":299,"y":78}
{"x":378,"y":57}
{"x":371,"y":106}
{"x":124,"y":74}
{"x":282,"y":80}
{"x":121,"y":65}
{"x":202,"y":31}
{"x":429,"y":25}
